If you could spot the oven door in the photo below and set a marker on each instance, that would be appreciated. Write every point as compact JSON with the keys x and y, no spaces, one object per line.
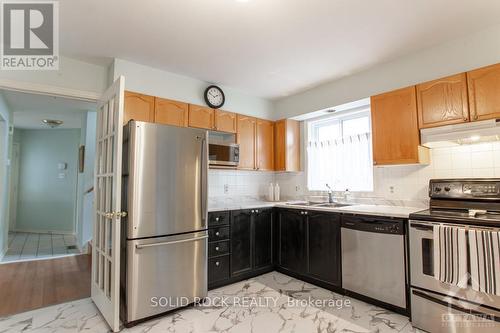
{"x":224,"y":155}
{"x":422,"y":266}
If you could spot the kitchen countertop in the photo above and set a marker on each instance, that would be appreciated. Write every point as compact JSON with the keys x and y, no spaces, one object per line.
{"x":377,"y":210}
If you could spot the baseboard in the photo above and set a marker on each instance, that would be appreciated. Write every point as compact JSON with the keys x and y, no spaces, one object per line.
{"x":32,"y":231}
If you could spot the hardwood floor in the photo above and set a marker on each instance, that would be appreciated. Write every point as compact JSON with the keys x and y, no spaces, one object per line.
{"x":34,"y":284}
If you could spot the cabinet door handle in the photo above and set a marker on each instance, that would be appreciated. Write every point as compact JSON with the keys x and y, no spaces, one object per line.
{"x":217,"y":219}
{"x":256,"y":210}
{"x":305,"y":213}
{"x":217,"y":233}
{"x":216,"y":248}
{"x":217,"y":263}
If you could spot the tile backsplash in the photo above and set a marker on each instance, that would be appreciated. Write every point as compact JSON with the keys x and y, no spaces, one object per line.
{"x":404,"y":183}
{"x":235,"y":183}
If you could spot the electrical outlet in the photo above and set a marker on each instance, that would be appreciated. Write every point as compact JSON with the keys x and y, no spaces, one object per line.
{"x":297,"y":188}
{"x":391,"y":189}
{"x":226,"y":189}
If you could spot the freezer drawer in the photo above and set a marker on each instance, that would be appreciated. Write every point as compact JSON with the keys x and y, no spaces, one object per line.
{"x":440,"y":314}
{"x":165,"y":273}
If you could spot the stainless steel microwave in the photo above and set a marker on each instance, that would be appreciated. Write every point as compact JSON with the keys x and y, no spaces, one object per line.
{"x":224,"y":155}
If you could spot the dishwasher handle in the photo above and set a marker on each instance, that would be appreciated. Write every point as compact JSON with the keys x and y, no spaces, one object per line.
{"x":142,"y":246}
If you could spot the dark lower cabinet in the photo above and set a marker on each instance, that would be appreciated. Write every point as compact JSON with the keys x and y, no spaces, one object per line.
{"x":218,"y":269}
{"x":241,"y":242}
{"x":309,"y":245}
{"x":251,"y":241}
{"x":246,"y":243}
{"x":219,"y":256}
{"x":263,"y":239}
{"x":324,"y":251}
{"x":292,"y":241}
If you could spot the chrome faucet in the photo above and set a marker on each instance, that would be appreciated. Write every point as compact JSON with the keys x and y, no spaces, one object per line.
{"x":330,"y":193}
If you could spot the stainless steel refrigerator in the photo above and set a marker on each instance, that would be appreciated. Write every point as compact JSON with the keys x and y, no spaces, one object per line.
{"x":164,"y":238}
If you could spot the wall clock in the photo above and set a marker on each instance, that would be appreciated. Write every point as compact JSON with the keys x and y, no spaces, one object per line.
{"x":214,"y":97}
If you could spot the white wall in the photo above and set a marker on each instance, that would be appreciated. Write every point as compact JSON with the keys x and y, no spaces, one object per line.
{"x":86,"y":227}
{"x":156,"y":82}
{"x":5,"y":143}
{"x":470,"y":52}
{"x":72,"y":74}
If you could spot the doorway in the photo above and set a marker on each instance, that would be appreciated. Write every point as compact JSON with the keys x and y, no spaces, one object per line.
{"x":47,"y":190}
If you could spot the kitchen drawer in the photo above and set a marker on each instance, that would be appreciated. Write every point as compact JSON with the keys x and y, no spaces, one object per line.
{"x":218,"y":269}
{"x":218,"y":234}
{"x":218,"y":248}
{"x":218,"y":218}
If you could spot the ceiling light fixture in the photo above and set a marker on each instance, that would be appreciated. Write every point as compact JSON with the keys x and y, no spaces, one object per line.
{"x":52,"y":123}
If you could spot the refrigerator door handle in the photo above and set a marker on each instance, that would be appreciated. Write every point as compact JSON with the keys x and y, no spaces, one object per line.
{"x":142,"y":246}
{"x":204,"y":181}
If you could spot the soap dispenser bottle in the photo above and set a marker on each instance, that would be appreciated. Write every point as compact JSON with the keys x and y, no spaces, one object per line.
{"x":270,"y":192}
{"x":276,"y":192}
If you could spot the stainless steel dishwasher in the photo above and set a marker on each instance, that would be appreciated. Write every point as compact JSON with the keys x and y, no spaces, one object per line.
{"x":373,"y":258}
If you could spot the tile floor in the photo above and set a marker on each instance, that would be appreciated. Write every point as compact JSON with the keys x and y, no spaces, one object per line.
{"x":293,"y":306}
{"x":29,"y":246}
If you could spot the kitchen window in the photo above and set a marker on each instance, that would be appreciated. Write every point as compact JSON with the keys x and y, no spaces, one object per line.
{"x":339,"y":152}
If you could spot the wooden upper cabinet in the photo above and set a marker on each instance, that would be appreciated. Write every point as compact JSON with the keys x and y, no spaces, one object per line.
{"x":170,"y":112}
{"x":396,"y":136}
{"x":138,"y":107}
{"x":225,"y":121}
{"x":287,"y":145}
{"x":265,"y":145}
{"x":443,"y":101}
{"x":201,"y":117}
{"x":484,"y":92}
{"x":245,"y":137}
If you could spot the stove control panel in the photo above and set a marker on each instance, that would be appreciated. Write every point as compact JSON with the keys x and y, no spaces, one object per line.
{"x":488,"y":189}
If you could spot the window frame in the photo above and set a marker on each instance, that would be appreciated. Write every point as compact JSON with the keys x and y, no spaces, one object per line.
{"x":347,"y":115}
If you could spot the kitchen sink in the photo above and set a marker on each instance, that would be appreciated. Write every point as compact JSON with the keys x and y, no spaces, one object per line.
{"x":304,"y":203}
{"x":333,"y":205}
{"x":318,"y":204}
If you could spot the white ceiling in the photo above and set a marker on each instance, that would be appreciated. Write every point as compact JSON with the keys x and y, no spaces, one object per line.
{"x":268,"y":48}
{"x":30,"y":109}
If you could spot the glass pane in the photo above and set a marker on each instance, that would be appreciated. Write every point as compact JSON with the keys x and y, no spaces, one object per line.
{"x":328,"y":131}
{"x":356,"y":126}
{"x":108,"y":289}
{"x":101,"y":269}
{"x":427,"y":257}
{"x":96,"y":265}
{"x":111,"y":116}
{"x":108,"y":236}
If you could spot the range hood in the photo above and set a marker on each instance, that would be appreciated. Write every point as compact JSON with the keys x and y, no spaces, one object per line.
{"x":461,"y":134}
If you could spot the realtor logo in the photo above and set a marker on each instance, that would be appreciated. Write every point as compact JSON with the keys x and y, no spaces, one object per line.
{"x":29,"y":35}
